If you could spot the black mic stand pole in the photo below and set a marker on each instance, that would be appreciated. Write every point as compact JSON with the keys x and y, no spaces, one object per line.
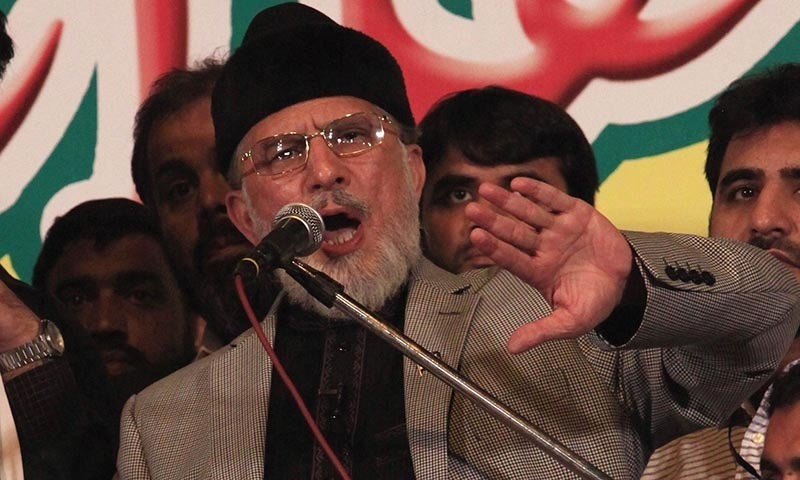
{"x":331,"y":294}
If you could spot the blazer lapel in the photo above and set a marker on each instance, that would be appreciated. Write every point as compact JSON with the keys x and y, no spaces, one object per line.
{"x":439,"y":311}
{"x":237,"y":401}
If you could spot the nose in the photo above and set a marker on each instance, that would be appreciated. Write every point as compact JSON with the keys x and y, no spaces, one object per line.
{"x":211,"y":208}
{"x":324,"y":170}
{"x":769,"y":215}
{"x":106,"y":315}
{"x":482,"y":201}
{"x":213,"y":188}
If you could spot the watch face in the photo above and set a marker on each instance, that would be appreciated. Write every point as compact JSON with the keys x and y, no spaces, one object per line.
{"x":54,"y":338}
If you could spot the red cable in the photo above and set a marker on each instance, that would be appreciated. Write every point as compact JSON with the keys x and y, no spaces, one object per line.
{"x":276,"y":364}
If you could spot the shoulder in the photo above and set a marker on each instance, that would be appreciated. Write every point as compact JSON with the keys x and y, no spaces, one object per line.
{"x":199,"y":377}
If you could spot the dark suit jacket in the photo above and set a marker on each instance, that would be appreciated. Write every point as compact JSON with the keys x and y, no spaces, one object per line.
{"x":698,"y":351}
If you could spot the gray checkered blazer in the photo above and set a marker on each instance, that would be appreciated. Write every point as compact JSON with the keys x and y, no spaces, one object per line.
{"x":699,"y":351}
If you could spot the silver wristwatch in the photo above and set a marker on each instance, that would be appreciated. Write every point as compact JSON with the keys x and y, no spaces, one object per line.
{"x":48,"y":343}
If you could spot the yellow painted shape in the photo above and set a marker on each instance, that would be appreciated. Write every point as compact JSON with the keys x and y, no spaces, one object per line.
{"x":663,"y":193}
{"x":5,"y":260}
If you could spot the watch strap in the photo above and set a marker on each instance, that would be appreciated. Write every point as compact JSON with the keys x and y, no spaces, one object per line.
{"x":27,"y":353}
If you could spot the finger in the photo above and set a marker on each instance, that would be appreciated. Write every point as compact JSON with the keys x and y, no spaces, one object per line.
{"x":503,"y":254}
{"x":545,"y":195}
{"x":516,"y":205}
{"x":509,"y":230}
{"x":552,"y":327}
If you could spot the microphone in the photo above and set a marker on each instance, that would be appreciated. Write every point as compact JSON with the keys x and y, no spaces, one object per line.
{"x":296,"y":232}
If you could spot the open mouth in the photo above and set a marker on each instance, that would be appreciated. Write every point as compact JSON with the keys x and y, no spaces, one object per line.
{"x":339,"y":228}
{"x":342,"y":232}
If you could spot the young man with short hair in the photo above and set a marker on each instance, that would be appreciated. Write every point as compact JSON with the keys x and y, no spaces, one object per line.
{"x":493,"y":135}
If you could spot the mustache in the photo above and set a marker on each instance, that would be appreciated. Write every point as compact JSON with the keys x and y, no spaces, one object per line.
{"x":116,"y":342}
{"x":791,"y":249}
{"x":209,"y":231}
{"x":342,"y":198}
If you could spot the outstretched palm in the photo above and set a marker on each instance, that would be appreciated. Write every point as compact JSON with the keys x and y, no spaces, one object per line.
{"x":558,"y":244}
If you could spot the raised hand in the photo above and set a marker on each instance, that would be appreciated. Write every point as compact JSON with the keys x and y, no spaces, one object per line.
{"x":558,"y":244}
{"x":18,"y":324}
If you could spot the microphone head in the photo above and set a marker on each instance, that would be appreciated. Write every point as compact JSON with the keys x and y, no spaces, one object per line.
{"x":310,"y":218}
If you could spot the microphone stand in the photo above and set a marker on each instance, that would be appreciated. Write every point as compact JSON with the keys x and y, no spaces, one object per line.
{"x":331,"y":294}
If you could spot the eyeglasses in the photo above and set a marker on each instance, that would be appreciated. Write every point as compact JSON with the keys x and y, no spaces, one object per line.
{"x":348,"y":136}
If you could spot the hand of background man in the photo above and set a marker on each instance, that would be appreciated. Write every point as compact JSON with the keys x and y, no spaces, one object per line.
{"x":18,"y":324}
{"x":558,"y":244}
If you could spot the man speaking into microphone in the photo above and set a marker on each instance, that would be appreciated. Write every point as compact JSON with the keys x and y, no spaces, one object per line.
{"x":589,"y":333}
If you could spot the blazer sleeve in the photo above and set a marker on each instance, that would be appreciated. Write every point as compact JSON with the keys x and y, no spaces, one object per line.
{"x":719,"y":316}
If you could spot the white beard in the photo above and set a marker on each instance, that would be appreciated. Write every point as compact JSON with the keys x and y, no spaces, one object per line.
{"x":370,"y":278}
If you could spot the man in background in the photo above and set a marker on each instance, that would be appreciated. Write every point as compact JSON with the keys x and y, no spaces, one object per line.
{"x":492,"y":135}
{"x":753,"y":171}
{"x":175,"y":173}
{"x":753,"y":168}
{"x":781,"y":456}
{"x":106,"y":261}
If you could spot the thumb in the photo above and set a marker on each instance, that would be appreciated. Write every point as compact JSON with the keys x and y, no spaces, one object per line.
{"x":552,"y":327}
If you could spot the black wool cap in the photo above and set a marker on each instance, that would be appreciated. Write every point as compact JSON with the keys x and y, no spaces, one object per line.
{"x":292,"y":53}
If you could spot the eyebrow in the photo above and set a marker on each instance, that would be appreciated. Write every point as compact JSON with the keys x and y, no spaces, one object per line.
{"x":790,"y":172}
{"x":457,"y":180}
{"x":768,"y":465}
{"x":756,"y":174}
{"x":525,"y":173}
{"x":171,"y":167}
{"x":453,"y":180}
{"x":737,"y":174}
{"x":123,"y":279}
{"x":765,"y":464}
{"x":81,"y":282}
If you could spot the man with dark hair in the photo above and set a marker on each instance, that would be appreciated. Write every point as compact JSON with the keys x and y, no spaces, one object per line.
{"x":753,"y":104}
{"x":492,"y":135}
{"x":781,"y":457}
{"x":753,"y":165}
{"x":106,"y":261}
{"x":174,"y":170}
{"x":605,"y":340}
{"x":753,"y":170}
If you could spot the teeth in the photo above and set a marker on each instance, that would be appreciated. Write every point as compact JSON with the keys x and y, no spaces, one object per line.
{"x":340,"y":236}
